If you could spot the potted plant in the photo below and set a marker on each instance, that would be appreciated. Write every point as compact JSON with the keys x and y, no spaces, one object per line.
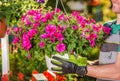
{"x":48,"y":32}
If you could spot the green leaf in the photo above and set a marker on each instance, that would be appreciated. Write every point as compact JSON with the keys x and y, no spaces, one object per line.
{"x":82,"y":61}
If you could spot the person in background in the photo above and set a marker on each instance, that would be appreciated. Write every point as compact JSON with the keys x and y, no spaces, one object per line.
{"x":109,"y":60}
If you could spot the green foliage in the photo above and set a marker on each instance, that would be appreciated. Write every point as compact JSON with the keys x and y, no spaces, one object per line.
{"x":80,"y":61}
{"x":12,"y":10}
{"x":20,"y":63}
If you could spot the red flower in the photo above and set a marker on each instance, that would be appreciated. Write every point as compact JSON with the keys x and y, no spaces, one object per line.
{"x":21,"y":76}
{"x":10,"y":73}
{"x":34,"y":72}
{"x":48,"y":76}
{"x":60,"y":77}
{"x":5,"y":77}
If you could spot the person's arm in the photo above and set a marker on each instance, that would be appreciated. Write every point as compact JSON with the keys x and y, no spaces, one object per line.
{"x":111,"y":71}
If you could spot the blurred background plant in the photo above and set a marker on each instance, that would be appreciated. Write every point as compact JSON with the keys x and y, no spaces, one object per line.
{"x":12,"y":10}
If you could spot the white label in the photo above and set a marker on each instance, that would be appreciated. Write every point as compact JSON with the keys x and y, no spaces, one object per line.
{"x":40,"y":77}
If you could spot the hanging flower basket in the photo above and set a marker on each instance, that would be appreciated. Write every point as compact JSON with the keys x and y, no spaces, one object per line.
{"x":3,"y":28}
{"x":45,"y":32}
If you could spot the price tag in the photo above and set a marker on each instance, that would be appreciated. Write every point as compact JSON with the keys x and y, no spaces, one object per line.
{"x":40,"y":77}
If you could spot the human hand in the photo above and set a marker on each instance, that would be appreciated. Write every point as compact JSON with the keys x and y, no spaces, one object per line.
{"x":65,"y":66}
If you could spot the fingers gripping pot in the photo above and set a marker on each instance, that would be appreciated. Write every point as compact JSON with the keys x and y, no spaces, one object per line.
{"x":64,"y":66}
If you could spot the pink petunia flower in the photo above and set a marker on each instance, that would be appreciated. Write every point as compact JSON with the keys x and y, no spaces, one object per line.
{"x":92,"y":37}
{"x":106,"y":30}
{"x":42,"y":44}
{"x":92,"y":43}
{"x":52,"y":39}
{"x":49,"y":16}
{"x":24,"y":17}
{"x":50,"y":28}
{"x":44,"y":20}
{"x":16,"y":29}
{"x":32,"y":32}
{"x":60,"y":29}
{"x":96,"y":28}
{"x":44,"y":35}
{"x":36,"y":24}
{"x":59,"y":36}
{"x":37,"y":17}
{"x":26,"y":42}
{"x":92,"y":20}
{"x":32,"y":12}
{"x":75,"y":13}
{"x":75,"y":27}
{"x":61,"y":47}
{"x":28,"y":22}
{"x":16,"y":40}
{"x":61,"y":17}
{"x":57,"y":10}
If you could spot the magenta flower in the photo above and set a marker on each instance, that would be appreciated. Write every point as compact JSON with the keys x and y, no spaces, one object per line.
{"x":28,"y":56}
{"x":96,"y":28}
{"x":24,"y":17}
{"x":93,"y":21}
{"x":50,"y":29}
{"x":28,"y":22}
{"x":61,"y":47}
{"x":75,"y":13}
{"x":16,"y":29}
{"x":44,"y":20}
{"x":26,"y":42}
{"x":42,"y":44}
{"x":60,"y":29}
{"x":37,"y":17}
{"x":49,"y":16}
{"x":57,"y":10}
{"x":80,"y":18}
{"x":83,"y":34}
{"x":16,"y":40}
{"x":86,"y":21}
{"x":52,"y":39}
{"x":36,"y":24}
{"x":106,"y":30}
{"x":61,"y":17}
{"x":44,"y":35}
{"x":32,"y":32}
{"x":82,"y":24}
{"x":92,"y":37}
{"x":92,"y":43}
{"x":32,"y":12}
{"x":75,"y":27}
{"x":59,"y":36}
